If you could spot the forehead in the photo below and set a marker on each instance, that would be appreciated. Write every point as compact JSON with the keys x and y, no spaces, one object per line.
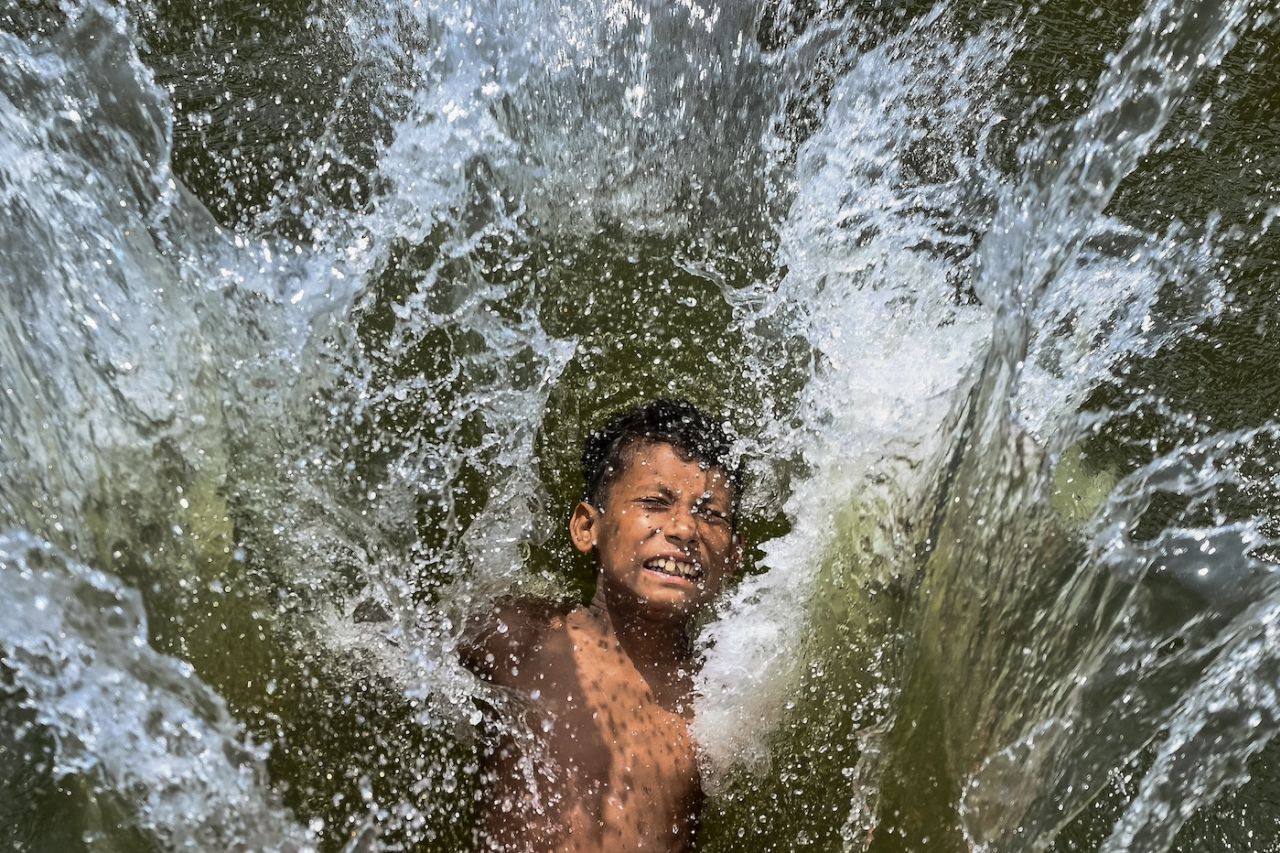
{"x":648,"y":463}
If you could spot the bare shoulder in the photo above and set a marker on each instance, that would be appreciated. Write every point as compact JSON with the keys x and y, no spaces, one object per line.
{"x":496,"y":643}
{"x":581,"y":625}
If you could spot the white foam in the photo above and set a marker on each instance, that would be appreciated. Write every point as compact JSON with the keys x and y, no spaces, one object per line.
{"x":895,"y":346}
{"x":133,"y":721}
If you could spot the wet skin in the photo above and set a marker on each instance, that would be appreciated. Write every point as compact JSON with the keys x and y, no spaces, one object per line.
{"x":605,"y":688}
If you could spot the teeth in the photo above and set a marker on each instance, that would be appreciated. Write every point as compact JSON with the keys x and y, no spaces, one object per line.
{"x":679,"y":568}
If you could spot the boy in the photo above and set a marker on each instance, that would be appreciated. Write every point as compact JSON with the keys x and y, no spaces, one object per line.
{"x":606,"y":687}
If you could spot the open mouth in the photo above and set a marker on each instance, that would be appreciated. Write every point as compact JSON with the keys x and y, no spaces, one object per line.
{"x":674,"y":568}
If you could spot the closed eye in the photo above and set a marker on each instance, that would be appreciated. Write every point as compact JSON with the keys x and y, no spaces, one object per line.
{"x":712,"y":514}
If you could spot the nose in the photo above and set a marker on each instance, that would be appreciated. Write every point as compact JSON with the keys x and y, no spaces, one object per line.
{"x":681,"y":526}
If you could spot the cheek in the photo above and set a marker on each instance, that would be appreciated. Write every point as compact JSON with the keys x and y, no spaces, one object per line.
{"x":643,"y":523}
{"x":721,"y":543}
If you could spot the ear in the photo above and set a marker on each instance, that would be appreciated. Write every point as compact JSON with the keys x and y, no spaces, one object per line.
{"x":582,"y":527}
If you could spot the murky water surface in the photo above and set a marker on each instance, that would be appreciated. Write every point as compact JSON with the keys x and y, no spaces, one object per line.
{"x":305,"y":310}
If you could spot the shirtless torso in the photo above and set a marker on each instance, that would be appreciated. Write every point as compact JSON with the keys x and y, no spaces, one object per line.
{"x":604,"y":690}
{"x":617,"y":769}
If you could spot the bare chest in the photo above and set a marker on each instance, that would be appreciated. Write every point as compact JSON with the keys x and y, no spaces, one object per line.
{"x":612,"y":721}
{"x":613,"y":766}
{"x":627,"y":764}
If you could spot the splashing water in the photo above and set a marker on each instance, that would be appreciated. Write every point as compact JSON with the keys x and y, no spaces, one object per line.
{"x":143,"y":723}
{"x":967,"y":305}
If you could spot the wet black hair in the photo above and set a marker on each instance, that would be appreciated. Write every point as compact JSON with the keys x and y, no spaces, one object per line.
{"x":678,"y":423}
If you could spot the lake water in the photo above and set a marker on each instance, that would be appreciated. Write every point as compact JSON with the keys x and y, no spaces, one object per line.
{"x":306,"y":308}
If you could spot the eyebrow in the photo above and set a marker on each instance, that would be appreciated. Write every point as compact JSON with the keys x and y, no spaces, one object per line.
{"x":662,"y":490}
{"x":706,"y":498}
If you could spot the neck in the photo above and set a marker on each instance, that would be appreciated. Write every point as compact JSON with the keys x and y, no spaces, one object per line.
{"x":657,"y":647}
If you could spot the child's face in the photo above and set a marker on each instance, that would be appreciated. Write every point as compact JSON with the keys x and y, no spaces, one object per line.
{"x":665,"y":539}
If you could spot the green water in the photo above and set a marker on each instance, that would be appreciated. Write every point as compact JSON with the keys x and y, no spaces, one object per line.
{"x":263,"y":93}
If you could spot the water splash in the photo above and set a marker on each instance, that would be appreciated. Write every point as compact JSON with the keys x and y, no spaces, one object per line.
{"x":140,"y":724}
{"x":870,"y":251}
{"x":1077,"y":296}
{"x":347,"y":396}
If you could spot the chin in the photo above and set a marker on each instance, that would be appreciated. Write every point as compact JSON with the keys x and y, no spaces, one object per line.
{"x":669,"y":607}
